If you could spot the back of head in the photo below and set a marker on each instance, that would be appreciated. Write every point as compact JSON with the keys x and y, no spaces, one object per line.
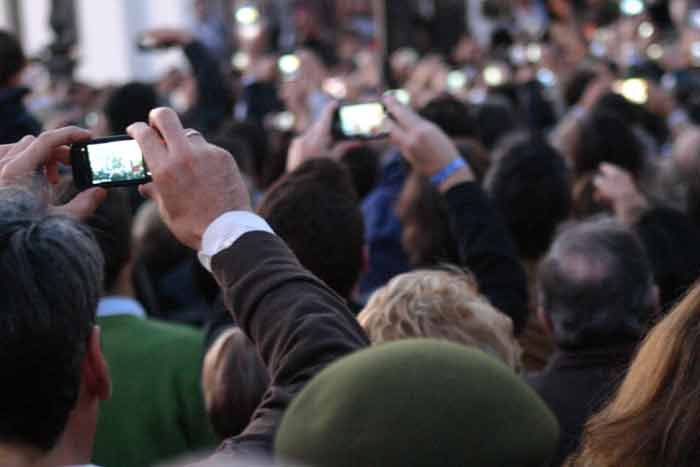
{"x":421,"y":403}
{"x":653,"y":418}
{"x":495,"y":120}
{"x":111,"y":226}
{"x":670,"y":239}
{"x":439,"y":304}
{"x":530,"y":184}
{"x":363,"y":164}
{"x":154,"y":243}
{"x":452,"y":116}
{"x":50,"y":276}
{"x":12,"y":58}
{"x":128,"y":104}
{"x":314,"y":210}
{"x":256,"y":139}
{"x":427,"y":235}
{"x":604,"y":137}
{"x":234,"y":380}
{"x":596,"y":285}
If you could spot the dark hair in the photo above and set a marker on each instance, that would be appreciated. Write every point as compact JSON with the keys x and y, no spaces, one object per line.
{"x":154,"y":244}
{"x":50,"y":276}
{"x":495,"y":119}
{"x":363,"y":164}
{"x":426,"y":237}
{"x":671,"y":240}
{"x":529,"y":183}
{"x":596,"y":284}
{"x":605,"y":137}
{"x":111,"y":226}
{"x":128,"y":104}
{"x":577,"y":85}
{"x":315,"y":211}
{"x":241,"y":381}
{"x":634,"y":115}
{"x":265,"y":167}
{"x":453,"y":116}
{"x":239,"y":149}
{"x":12,"y":58}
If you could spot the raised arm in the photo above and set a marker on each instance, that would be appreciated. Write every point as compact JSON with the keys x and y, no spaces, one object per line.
{"x":485,"y":245}
{"x":297,"y":323}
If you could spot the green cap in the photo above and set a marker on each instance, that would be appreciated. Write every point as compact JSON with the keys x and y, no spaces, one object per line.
{"x":417,"y":403}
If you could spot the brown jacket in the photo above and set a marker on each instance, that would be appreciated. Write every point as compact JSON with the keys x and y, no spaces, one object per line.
{"x":298,"y":324}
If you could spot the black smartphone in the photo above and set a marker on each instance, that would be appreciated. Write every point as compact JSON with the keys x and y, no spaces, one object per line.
{"x":108,"y":162}
{"x":360,"y":121}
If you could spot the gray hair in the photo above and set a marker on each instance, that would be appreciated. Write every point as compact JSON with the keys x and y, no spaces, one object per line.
{"x":50,"y":282}
{"x":596,"y":284}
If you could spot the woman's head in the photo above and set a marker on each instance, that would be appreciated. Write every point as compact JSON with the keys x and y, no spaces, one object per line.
{"x":439,"y":304}
{"x":654,"y":417}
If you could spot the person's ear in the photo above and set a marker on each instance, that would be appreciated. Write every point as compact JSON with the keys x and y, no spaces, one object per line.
{"x":545,"y":320}
{"x":96,"y":376}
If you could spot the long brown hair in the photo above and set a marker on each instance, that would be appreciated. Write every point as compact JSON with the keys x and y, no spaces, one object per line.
{"x":654,"y":420}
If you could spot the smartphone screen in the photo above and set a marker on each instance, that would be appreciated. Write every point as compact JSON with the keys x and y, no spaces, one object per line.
{"x":116,"y":161}
{"x":360,"y":121}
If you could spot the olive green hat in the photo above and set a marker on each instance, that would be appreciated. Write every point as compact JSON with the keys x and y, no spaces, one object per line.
{"x":417,"y":403}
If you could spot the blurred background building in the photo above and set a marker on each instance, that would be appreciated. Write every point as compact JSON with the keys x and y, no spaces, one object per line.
{"x":103,"y":32}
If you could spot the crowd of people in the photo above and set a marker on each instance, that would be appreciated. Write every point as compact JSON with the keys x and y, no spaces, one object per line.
{"x":506,"y":277}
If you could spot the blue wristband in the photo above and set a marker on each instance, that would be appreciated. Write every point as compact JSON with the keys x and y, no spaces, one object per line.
{"x":449,"y":169}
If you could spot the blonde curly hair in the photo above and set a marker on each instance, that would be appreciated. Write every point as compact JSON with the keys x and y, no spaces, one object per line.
{"x":439,"y":304}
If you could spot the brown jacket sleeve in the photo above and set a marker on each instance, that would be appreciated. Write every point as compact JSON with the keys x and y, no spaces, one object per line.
{"x":298,"y":324}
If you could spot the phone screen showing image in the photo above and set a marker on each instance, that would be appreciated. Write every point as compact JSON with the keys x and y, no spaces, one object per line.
{"x":361,"y":121}
{"x":116,"y":161}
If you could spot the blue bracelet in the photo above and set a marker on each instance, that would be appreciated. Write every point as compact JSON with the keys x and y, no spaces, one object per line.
{"x":449,"y":169}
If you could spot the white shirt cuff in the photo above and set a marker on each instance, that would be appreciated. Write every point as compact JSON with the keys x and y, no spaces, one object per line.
{"x":225,"y":230}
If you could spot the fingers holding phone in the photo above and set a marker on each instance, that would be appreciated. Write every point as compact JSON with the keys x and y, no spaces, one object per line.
{"x":425,"y":145}
{"x":32,"y":155}
{"x":193,"y":182}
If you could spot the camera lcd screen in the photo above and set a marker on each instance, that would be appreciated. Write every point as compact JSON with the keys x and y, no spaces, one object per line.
{"x":116,"y":162}
{"x":362,"y":120}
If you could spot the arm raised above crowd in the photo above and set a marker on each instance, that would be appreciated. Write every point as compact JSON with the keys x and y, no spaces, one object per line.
{"x":297,"y":323}
{"x":485,"y":245}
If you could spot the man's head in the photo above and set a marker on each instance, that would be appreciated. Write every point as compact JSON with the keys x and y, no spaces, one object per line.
{"x":50,"y":279}
{"x":529,"y":183}
{"x":234,"y":381}
{"x":314,"y":210}
{"x":453,"y":117}
{"x":596,"y":285}
{"x":12,"y":59}
{"x":111,"y":226}
{"x":128,"y":104}
{"x":439,"y":304}
{"x":605,"y":137}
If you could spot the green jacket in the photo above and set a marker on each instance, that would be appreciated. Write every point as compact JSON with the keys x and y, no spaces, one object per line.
{"x":156,"y":411}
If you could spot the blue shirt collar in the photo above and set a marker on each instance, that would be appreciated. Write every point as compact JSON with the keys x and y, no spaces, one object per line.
{"x":120,"y":306}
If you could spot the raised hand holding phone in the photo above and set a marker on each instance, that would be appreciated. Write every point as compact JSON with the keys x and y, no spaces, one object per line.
{"x":194,"y":182}
{"x":31,"y":155}
{"x":429,"y":150}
